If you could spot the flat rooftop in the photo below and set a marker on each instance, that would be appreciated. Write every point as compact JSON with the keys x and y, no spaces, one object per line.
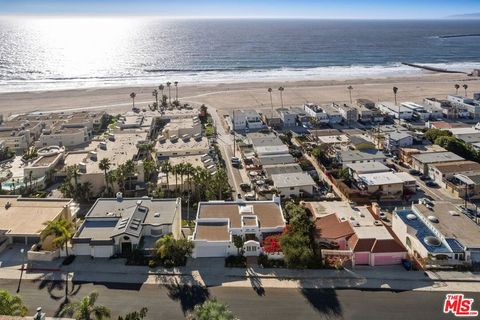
{"x":118,"y":151}
{"x":212,"y":231}
{"x":269,"y":214}
{"x":452,"y":223}
{"x":27,"y":216}
{"x":434,"y":157}
{"x":282,"y":169}
{"x":380,"y":178}
{"x":367,"y":167}
{"x":360,"y":218}
{"x":45,"y":161}
{"x":182,"y":145}
{"x":293,"y":179}
{"x":333,"y":139}
{"x":357,"y":155}
{"x":458,"y":166}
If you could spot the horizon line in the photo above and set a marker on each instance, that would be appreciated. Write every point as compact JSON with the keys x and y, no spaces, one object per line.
{"x":120,"y":15}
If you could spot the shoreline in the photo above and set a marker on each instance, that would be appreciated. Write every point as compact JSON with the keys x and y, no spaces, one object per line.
{"x":251,"y":94}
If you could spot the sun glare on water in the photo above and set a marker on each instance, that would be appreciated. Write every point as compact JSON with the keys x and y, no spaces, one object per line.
{"x":79,"y":46}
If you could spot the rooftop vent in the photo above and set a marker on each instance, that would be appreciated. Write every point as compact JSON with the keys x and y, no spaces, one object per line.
{"x":432,"y":241}
{"x":433,"y":219}
{"x":411,"y":216}
{"x":156,"y":214}
{"x":119,"y":196}
{"x":139,"y":202}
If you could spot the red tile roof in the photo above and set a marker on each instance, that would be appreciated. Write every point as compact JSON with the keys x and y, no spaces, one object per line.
{"x":374,"y":245}
{"x":331,"y":228}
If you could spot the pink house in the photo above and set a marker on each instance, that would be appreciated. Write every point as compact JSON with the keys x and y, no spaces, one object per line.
{"x":345,"y":228}
{"x":375,"y":252}
{"x":329,"y":230}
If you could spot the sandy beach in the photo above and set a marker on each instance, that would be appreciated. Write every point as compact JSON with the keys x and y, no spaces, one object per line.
{"x":226,"y":96}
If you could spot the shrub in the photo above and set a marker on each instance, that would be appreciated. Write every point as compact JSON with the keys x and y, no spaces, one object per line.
{"x":68,"y":260}
{"x":265,"y":262}
{"x":235,"y":262}
{"x":137,"y":258}
{"x":152,"y":263}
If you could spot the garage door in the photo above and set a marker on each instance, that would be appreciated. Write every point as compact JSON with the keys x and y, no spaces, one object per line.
{"x":362,"y":258}
{"x":388,"y":259}
{"x":82,"y":249}
{"x":102,"y":251}
{"x":210,"y":251}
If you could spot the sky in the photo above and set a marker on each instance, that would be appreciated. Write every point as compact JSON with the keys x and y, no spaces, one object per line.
{"x":322,"y":9}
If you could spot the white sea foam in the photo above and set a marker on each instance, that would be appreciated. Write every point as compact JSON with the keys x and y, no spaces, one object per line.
{"x":233,"y":76}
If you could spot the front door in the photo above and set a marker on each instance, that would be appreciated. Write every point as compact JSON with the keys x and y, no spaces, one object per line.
{"x":126,"y":249}
{"x":250,"y":236}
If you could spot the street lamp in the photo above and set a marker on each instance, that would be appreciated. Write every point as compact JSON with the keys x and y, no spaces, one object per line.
{"x":22,"y":252}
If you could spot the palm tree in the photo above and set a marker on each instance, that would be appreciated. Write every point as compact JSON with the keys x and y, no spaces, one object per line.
{"x":86,"y":190}
{"x":86,"y":309}
{"x":105,"y":165}
{"x":61,"y":230}
{"x":212,"y":310}
{"x":120,"y":177}
{"x":350,"y":88}
{"x":169,"y":95}
{"x":395,"y":90}
{"x":269,"y":90}
{"x":11,"y":305}
{"x":281,"y":94}
{"x":161,"y":87}
{"x":73,"y":172}
{"x":189,"y":171}
{"x":175,"y":172}
{"x":176,"y":90}
{"x":457,"y":86}
{"x":129,"y":170}
{"x":201,"y":179}
{"x":166,"y":168}
{"x":155,"y":94}
{"x":133,"y":95}
{"x":465,"y":86}
{"x":148,"y":168}
{"x":181,"y":172}
{"x":111,"y":178}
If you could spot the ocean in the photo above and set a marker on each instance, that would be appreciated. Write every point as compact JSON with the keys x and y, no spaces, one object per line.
{"x":41,"y":53}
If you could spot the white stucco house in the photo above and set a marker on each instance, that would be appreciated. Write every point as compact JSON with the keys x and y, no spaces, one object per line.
{"x":219,"y":221}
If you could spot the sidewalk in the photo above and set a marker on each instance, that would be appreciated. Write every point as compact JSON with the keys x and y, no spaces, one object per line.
{"x":211,"y":272}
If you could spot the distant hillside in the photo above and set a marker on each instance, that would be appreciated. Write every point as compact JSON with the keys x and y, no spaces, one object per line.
{"x":465,"y":16}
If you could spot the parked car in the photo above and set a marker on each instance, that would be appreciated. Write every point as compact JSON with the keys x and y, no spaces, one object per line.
{"x":431,"y":184}
{"x":426,"y":201}
{"x":245,"y":187}
{"x":414,"y":172}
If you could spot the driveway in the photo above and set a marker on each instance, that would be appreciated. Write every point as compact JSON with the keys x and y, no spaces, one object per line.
{"x":11,"y":256}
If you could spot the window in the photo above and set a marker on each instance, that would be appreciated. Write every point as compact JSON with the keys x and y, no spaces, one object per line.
{"x":292,"y":188}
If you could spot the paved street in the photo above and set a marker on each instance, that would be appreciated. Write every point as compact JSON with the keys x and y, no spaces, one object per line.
{"x":171,"y":302}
